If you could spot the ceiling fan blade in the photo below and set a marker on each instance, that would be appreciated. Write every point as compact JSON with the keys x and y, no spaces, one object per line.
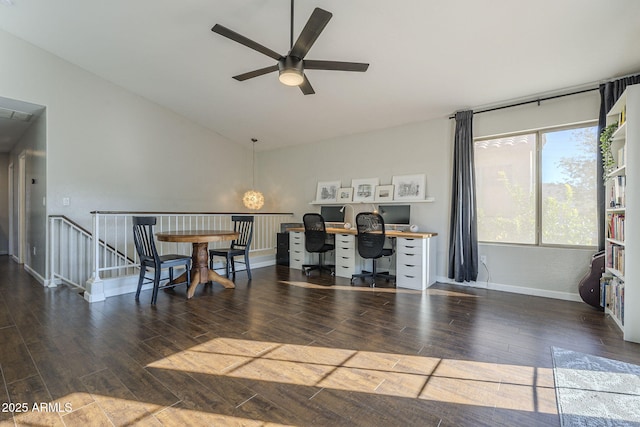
{"x":255,"y":73}
{"x":335,"y":65}
{"x":316,"y":23}
{"x":230,"y":34}
{"x":306,"y":88}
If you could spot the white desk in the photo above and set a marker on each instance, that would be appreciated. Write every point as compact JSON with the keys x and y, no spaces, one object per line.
{"x":415,"y":255}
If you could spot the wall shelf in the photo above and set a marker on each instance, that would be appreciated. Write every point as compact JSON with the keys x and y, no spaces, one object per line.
{"x":376,"y":202}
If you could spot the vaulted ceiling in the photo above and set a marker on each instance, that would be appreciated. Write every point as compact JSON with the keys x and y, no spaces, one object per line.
{"x":428,"y":58}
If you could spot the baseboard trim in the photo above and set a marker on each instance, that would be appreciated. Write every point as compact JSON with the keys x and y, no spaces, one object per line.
{"x":566,"y":296}
{"x":129,"y":284}
{"x":35,"y":275}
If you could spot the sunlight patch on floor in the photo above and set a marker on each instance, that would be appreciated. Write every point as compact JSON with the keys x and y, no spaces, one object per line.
{"x":377,"y":290}
{"x":522,"y":388}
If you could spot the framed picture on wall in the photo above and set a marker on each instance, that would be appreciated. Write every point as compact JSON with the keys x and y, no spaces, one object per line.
{"x":409,"y":187}
{"x":327,"y":191}
{"x":364,"y":189}
{"x":345,"y":194}
{"x":384,"y":193}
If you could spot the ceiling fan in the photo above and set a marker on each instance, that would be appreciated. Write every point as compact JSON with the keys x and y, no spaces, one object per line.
{"x":291,"y":66}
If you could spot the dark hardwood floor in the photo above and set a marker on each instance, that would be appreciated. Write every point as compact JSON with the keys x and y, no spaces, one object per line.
{"x":288,"y":350}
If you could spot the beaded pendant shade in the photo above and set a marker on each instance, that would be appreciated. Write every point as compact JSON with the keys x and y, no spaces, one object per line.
{"x":253,"y":199}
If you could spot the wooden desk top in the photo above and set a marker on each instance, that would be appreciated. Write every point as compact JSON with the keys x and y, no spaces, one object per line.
{"x":196,"y":236}
{"x":388,"y":233}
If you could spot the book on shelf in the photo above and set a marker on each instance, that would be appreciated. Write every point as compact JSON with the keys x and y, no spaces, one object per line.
{"x":617,"y":258}
{"x":622,"y":117}
{"x":622,"y":156}
{"x":618,"y":189}
{"x":612,"y":296}
{"x":605,"y":280}
{"x":616,"y":226}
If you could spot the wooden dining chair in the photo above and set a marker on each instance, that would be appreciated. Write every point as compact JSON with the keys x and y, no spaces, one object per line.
{"x":243,"y":225}
{"x":144,"y":241}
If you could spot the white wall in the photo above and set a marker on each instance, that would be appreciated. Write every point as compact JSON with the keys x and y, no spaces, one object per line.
{"x":108,"y":149}
{"x":289,"y":177}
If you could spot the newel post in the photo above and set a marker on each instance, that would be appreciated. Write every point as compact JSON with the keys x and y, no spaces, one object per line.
{"x":94,"y":290}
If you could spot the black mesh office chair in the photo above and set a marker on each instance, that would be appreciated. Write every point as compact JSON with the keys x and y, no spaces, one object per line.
{"x":149,"y":258}
{"x":243,"y":225}
{"x":315,"y":241}
{"x":371,"y":238}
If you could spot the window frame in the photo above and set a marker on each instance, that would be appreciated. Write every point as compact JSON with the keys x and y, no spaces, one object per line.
{"x":538,"y":183}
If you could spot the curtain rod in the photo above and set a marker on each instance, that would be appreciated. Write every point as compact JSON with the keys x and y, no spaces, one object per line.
{"x":538,"y":100}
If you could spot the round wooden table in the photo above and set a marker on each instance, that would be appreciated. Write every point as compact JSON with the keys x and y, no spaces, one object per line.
{"x":200,"y":272}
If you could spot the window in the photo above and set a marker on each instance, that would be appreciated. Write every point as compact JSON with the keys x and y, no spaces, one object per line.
{"x":538,"y":187}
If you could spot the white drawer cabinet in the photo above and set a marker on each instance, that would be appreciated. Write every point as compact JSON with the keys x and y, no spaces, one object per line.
{"x":297,"y":254}
{"x":415,"y":261}
{"x":415,"y":258}
{"x":348,"y":262}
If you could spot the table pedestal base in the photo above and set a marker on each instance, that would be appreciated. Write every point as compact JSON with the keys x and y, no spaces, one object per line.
{"x":200,"y":272}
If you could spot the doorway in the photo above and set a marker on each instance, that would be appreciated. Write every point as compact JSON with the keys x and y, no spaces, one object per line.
{"x":11,"y":251}
{"x":22,"y":197}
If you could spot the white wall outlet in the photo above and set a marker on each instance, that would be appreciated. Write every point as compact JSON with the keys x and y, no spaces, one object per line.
{"x":483,"y":259}
{"x":65,"y":201}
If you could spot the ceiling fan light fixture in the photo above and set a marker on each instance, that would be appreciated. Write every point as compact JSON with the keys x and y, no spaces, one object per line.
{"x":291,"y":73}
{"x":290,"y":78}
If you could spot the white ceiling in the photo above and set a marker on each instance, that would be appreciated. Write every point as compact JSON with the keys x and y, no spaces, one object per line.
{"x":428,"y":58}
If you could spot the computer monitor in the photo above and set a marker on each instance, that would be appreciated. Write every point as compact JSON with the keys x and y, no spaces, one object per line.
{"x":332,"y":214}
{"x":395,"y":214}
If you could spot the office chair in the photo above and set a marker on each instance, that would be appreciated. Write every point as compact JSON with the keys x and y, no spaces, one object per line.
{"x":149,"y":258}
{"x":371,"y":238}
{"x":315,"y":241}
{"x":242,"y":225}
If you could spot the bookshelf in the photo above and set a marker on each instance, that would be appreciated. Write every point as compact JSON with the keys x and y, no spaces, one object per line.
{"x":621,"y":280}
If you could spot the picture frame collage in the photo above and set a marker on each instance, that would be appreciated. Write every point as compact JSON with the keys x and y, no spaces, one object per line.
{"x":369,"y":190}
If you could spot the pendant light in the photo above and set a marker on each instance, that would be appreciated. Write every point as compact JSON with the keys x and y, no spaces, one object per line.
{"x":253,"y":199}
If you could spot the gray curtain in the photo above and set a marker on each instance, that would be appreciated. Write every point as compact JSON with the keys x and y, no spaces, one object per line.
{"x":609,"y":94}
{"x":463,"y":236}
